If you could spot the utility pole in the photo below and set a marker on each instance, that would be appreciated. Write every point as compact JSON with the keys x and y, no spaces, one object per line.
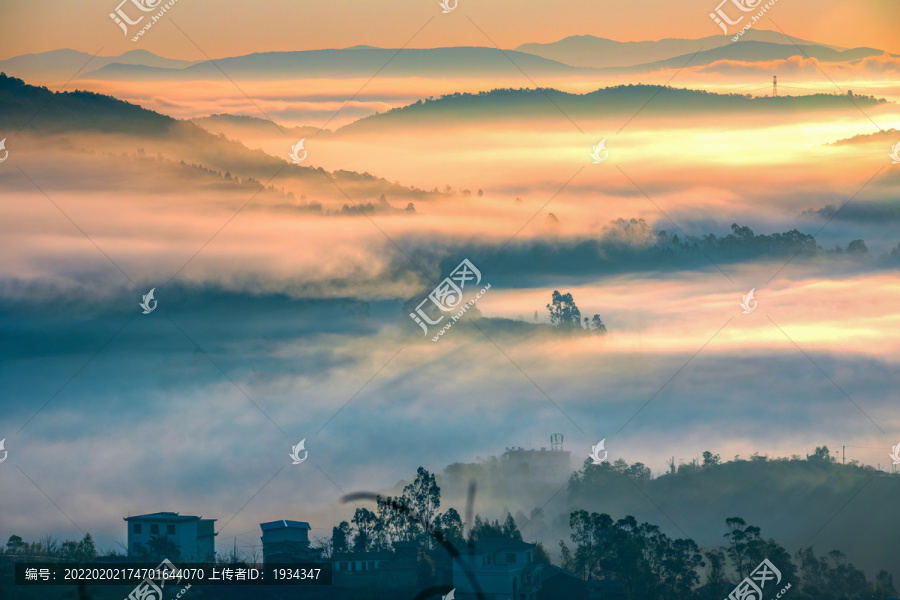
{"x":775,"y":86}
{"x":843,"y":454}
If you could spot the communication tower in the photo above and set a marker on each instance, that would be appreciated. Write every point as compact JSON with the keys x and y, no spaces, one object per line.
{"x":556,"y":442}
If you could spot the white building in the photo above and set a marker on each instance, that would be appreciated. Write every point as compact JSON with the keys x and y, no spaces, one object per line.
{"x":194,"y":536}
{"x":503,"y":569}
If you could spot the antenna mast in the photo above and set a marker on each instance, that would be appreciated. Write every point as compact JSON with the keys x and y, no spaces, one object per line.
{"x":556,"y":442}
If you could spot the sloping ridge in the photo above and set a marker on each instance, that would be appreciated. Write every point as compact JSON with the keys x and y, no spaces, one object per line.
{"x":511,"y":104}
{"x":596,"y":52}
{"x":355,"y":62}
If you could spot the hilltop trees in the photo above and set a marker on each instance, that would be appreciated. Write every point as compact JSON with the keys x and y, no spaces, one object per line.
{"x":70,"y":550}
{"x":565,"y":315}
{"x":710,"y":459}
{"x":821,"y":455}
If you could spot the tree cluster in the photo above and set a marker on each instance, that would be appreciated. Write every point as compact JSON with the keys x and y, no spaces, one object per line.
{"x":565,"y":315}
{"x":652,"y":566}
{"x":413,"y":516}
{"x":648,"y":563}
{"x":49,"y":547}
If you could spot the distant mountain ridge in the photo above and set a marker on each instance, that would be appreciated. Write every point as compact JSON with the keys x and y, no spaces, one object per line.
{"x":598,"y":53}
{"x":749,"y":51}
{"x":352,"y":62}
{"x":573,"y":55}
{"x":226,"y":123}
{"x":58,"y":66}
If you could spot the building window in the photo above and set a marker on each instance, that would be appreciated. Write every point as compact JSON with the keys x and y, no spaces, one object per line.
{"x":154,"y":530}
{"x":136,"y":528}
{"x":170,"y":530}
{"x":510,"y":558}
{"x":136,"y":546}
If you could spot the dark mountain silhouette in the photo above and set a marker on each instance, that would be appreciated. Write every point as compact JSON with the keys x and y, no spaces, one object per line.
{"x":40,"y":113}
{"x":797,"y":501}
{"x":26,"y":106}
{"x":865,"y":138}
{"x":518,"y":104}
{"x":595,"y":52}
{"x":791,"y":499}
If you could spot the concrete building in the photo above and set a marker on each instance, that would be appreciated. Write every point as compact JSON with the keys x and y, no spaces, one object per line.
{"x":288,"y":542}
{"x":547,"y":465}
{"x":194,"y":536}
{"x":394,"y":570}
{"x":503,"y":570}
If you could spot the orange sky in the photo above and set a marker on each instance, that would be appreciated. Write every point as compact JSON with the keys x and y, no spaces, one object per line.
{"x":232,"y":27}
